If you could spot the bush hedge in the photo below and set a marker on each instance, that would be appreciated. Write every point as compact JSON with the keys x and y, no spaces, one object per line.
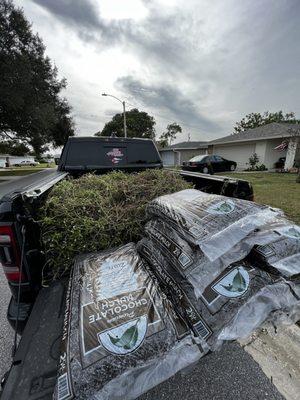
{"x":93,"y":213}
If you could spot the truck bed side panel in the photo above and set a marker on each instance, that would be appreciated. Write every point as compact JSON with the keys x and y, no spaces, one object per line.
{"x":33,"y":372}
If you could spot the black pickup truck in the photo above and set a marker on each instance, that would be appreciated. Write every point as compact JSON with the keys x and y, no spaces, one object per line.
{"x":36,"y":312}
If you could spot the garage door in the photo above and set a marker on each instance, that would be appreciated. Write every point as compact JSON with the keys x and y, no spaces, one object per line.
{"x":167,"y":157}
{"x":239,"y":153}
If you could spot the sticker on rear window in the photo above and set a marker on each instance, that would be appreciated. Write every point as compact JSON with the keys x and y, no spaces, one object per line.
{"x":115,"y":155}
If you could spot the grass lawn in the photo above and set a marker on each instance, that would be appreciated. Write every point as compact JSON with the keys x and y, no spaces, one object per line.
{"x":21,"y":171}
{"x":275,"y":189}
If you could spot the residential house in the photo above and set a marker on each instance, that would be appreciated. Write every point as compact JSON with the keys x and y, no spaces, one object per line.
{"x":179,"y":152}
{"x":269,"y":142}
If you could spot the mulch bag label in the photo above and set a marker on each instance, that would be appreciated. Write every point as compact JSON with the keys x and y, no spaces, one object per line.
{"x":213,"y":222}
{"x":118,"y":323}
{"x":126,"y":336}
{"x":231,"y":283}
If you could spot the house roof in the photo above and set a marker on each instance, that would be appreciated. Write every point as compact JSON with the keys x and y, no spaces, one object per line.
{"x":185,"y":146}
{"x":270,"y":131}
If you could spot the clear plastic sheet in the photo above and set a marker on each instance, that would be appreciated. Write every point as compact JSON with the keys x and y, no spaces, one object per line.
{"x":276,"y":247}
{"x":121,"y":334}
{"x":188,"y":259}
{"x":226,"y":303}
{"x":278,"y":304}
{"x":214,"y":223}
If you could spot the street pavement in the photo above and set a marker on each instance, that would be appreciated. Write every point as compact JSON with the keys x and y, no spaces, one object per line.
{"x":6,"y":332}
{"x":228,"y":374}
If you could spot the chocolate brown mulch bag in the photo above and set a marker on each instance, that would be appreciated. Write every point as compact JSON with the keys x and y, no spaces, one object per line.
{"x":214,"y":223}
{"x":228,"y":304}
{"x":188,"y":259}
{"x":121,"y":335}
{"x":276,"y":247}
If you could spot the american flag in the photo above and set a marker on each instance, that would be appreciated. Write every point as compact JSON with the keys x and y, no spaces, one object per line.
{"x":282,"y":146}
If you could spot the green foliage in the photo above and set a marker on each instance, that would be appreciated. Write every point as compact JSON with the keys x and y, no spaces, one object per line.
{"x":253,"y":161}
{"x":261,"y":167}
{"x":171,"y":133}
{"x":254,"y":166}
{"x":30,"y":107}
{"x":13,"y":147}
{"x":255,"y":120}
{"x":139,"y":124}
{"x":98,"y":212}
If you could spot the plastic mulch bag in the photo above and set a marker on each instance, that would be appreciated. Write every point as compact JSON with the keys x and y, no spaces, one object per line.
{"x":121,"y":334}
{"x":277,"y":248}
{"x":187,"y":258}
{"x":224,"y":307}
{"x":214,"y":223}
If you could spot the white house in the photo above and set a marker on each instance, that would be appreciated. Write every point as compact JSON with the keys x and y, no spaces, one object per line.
{"x":6,"y":159}
{"x":269,"y":142}
{"x":179,"y":152}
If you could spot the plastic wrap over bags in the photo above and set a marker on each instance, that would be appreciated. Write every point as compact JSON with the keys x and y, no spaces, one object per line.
{"x":276,"y":247}
{"x":121,"y":334}
{"x":231,"y":305}
{"x":214,"y":223}
{"x":188,"y":259}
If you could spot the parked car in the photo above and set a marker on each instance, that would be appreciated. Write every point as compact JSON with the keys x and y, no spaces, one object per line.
{"x":26,"y":163}
{"x":36,"y":360}
{"x":209,"y":164}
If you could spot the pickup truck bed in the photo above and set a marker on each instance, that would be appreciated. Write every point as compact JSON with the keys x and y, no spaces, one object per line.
{"x":223,"y":374}
{"x":38,"y":351}
{"x":33,"y":372}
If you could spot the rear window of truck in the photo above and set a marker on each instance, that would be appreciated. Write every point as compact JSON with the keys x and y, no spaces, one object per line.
{"x":107,"y":154}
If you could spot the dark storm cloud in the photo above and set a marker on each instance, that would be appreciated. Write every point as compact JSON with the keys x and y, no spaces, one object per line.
{"x":158,"y":36}
{"x":166,"y":97}
{"x":239,"y":58}
{"x":80,"y":12}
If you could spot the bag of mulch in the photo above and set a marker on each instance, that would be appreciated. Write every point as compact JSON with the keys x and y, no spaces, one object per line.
{"x":276,"y":247}
{"x":188,"y":259}
{"x":121,"y":334}
{"x":214,"y":223}
{"x":221,"y":310}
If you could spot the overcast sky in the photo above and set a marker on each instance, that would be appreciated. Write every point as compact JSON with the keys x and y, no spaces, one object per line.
{"x":203,"y":64}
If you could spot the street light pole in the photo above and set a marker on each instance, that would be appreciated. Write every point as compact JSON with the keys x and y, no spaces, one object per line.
{"x":124,"y":111}
{"x":124,"y":121}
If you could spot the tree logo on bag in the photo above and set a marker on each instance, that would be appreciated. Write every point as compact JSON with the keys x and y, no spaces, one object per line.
{"x":222,"y":207}
{"x":234,"y":284}
{"x":125,"y":338}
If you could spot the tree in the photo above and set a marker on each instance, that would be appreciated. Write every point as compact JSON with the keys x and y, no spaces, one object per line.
{"x":31,"y":109}
{"x":255,"y":120}
{"x":170,"y":134}
{"x":14,"y":148}
{"x":139,"y":124}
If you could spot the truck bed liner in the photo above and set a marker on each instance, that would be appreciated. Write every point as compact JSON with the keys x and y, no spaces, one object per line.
{"x":33,"y":372}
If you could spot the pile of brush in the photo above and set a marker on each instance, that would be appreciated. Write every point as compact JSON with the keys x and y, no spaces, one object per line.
{"x":93,"y":213}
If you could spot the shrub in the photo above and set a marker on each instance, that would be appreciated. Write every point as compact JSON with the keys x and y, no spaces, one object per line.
{"x":261,"y":167}
{"x":98,"y":212}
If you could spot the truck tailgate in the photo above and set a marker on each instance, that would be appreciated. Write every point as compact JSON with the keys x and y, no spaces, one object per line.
{"x":33,"y":372}
{"x":33,"y":184}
